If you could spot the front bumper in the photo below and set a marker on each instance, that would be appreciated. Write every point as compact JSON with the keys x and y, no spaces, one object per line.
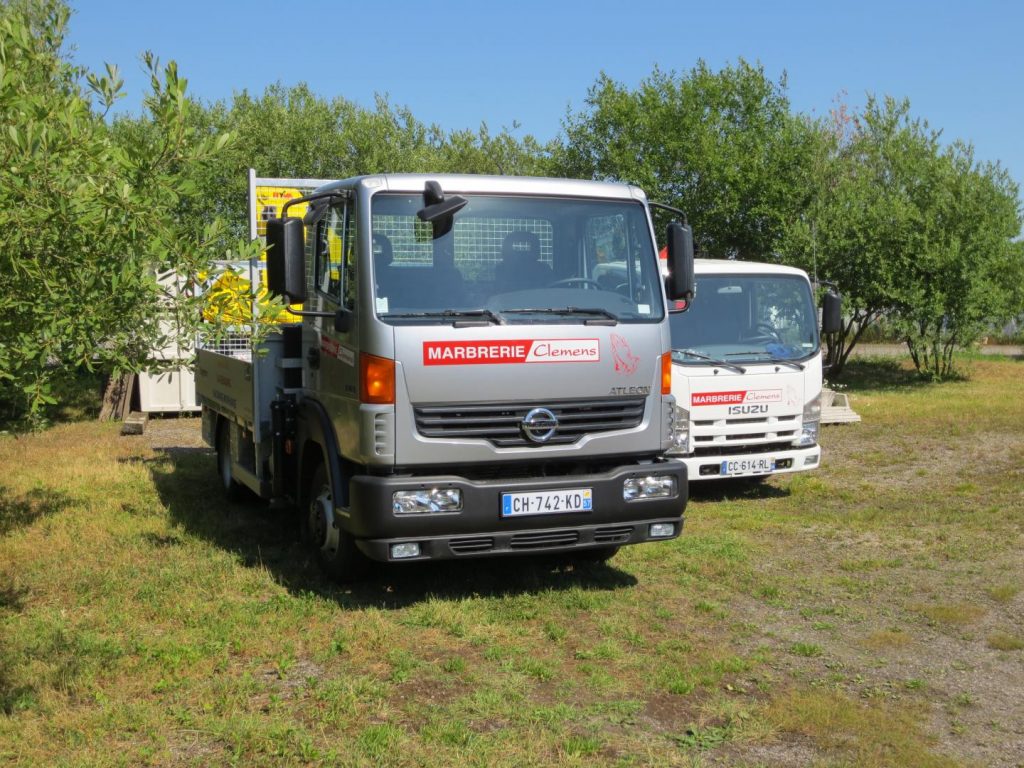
{"x":478,"y":529}
{"x":786,"y":461}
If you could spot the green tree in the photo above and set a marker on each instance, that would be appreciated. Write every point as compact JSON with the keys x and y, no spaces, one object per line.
{"x":969,"y":271}
{"x":89,"y":222}
{"x":291,"y":132}
{"x":723,"y":146}
{"x":889,"y":222}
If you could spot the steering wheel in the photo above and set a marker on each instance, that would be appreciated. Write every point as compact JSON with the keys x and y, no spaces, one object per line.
{"x":585,"y":281}
{"x":762,"y":332}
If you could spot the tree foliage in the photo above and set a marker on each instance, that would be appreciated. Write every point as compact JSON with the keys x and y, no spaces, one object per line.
{"x":909,"y":231}
{"x":291,"y":132}
{"x":89,"y":222}
{"x":723,"y":146}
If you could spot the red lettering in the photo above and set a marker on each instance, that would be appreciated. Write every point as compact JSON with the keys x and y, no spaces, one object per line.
{"x":717,"y":398}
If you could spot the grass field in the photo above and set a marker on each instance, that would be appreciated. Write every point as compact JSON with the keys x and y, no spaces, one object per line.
{"x":867,"y":614}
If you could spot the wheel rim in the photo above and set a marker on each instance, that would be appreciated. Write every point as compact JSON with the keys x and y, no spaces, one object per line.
{"x":321,"y":521}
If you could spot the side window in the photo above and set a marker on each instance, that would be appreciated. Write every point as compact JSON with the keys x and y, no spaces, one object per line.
{"x":330,"y":235}
{"x":609,"y":249}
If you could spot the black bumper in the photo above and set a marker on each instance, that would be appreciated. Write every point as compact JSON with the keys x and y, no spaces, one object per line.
{"x":480,"y":530}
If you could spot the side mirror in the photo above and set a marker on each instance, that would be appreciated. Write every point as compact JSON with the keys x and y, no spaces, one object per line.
{"x":438,"y":210}
{"x":831,"y":313}
{"x":680,"y":283}
{"x":286,"y":258}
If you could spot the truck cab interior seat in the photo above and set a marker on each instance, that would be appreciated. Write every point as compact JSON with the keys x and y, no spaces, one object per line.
{"x":520,"y":265}
{"x":383,"y":255}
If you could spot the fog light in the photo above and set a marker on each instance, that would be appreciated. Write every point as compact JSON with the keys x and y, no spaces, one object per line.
{"x":426,"y":500}
{"x":661,"y":530}
{"x":405,"y":550}
{"x":650,"y":487}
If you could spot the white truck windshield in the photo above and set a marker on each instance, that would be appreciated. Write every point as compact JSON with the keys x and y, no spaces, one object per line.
{"x":516,"y":260}
{"x":746,"y":319}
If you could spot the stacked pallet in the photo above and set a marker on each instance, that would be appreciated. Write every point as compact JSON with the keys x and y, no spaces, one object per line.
{"x":835,"y":408}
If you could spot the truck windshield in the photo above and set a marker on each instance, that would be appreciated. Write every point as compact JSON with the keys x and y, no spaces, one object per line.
{"x":746,"y":319}
{"x":516,"y":260}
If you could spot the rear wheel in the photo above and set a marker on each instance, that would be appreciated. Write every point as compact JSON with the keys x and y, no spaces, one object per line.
{"x":232,"y":488}
{"x":332,"y":546}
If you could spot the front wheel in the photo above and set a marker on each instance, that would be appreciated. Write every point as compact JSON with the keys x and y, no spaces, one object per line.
{"x":332,"y":546}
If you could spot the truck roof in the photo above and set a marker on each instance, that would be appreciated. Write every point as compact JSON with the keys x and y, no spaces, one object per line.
{"x":480,"y":184}
{"x":731,"y":267}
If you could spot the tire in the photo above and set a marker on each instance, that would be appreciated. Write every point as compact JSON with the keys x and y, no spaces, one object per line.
{"x":333,"y":547}
{"x":233,"y":490}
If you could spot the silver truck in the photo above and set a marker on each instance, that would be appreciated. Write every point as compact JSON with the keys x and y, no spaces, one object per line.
{"x":464,"y":379}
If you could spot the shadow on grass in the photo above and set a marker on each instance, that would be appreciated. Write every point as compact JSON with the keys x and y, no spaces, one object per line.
{"x":12,"y":694}
{"x":260,"y":537}
{"x":874,"y":374}
{"x":19,"y":512}
{"x":735,"y":489}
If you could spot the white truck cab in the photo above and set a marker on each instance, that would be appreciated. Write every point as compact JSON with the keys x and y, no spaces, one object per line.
{"x":747,"y":371}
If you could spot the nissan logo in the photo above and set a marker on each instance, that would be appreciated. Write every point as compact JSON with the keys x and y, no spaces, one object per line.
{"x":539,"y":425}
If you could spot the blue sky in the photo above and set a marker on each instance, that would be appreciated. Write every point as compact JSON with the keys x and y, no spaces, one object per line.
{"x":458,"y":63}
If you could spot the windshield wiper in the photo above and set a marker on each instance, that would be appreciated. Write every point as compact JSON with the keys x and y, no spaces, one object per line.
{"x":716,"y":361}
{"x":452,"y":314}
{"x":771,"y":357}
{"x":607,"y":318}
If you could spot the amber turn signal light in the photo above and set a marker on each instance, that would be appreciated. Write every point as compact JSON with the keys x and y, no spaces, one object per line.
{"x":376,"y":380}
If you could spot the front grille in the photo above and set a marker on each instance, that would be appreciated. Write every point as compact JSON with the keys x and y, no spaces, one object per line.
{"x":471,"y":544}
{"x":747,"y":434}
{"x":739,"y":450}
{"x":499,"y":423}
{"x":544,"y":539}
{"x":613,"y":534}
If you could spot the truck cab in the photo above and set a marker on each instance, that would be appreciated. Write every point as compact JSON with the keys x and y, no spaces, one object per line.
{"x":747,"y":372}
{"x":460,"y":383}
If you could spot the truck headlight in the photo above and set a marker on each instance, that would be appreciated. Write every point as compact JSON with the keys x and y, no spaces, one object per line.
{"x":426,"y":500}
{"x":680,"y":430}
{"x":812,"y":418}
{"x":650,"y":487}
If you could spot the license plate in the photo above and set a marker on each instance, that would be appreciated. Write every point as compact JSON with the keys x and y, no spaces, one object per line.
{"x":547,"y":502}
{"x":759,"y":466}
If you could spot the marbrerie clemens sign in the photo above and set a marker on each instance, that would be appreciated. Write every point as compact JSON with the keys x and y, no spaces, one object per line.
{"x":736,"y":397}
{"x":511,"y":351}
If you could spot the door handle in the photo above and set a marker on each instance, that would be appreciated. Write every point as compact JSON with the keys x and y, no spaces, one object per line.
{"x":313,"y":357}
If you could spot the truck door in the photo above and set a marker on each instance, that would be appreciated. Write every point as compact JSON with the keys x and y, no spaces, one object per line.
{"x":333,"y":355}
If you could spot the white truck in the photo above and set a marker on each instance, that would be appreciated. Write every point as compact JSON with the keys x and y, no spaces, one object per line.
{"x":747,"y":360}
{"x":465,"y":380}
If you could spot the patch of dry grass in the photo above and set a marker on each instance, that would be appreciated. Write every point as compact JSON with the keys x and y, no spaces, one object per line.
{"x":867,"y":735}
{"x":1005,"y":641}
{"x":144,"y":620}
